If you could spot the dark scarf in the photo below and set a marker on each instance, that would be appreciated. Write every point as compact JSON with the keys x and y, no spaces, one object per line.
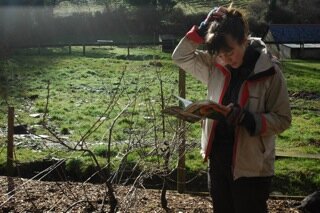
{"x":224,"y":134}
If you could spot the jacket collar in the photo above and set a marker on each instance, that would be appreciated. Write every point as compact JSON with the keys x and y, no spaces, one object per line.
{"x":264,"y":61}
{"x":264,"y":66}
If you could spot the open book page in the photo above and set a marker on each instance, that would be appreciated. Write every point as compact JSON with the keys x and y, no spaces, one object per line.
{"x":198,"y":105}
{"x":181,"y":114}
{"x":195,"y":111}
{"x":184,"y":101}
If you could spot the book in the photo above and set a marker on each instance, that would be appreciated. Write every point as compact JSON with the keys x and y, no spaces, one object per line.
{"x":198,"y":110}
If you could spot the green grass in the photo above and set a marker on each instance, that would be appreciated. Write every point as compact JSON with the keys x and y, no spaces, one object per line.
{"x":302,"y":75}
{"x":304,"y":135}
{"x":25,"y":155}
{"x":195,"y":7}
{"x":192,"y":161}
{"x":81,"y":88}
{"x":296,"y":176}
{"x":188,"y":6}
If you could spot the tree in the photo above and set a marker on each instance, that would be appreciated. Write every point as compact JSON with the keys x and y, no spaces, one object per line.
{"x":27,"y":2}
{"x":285,"y":11}
{"x":166,"y":4}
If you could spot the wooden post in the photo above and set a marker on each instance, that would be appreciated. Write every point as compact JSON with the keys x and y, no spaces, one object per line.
{"x":10,"y":169}
{"x":84,"y":50}
{"x":181,"y":176}
{"x":69,"y":49}
{"x":301,"y":55}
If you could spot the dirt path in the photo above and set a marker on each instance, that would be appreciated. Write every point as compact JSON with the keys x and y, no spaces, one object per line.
{"x":38,"y":196}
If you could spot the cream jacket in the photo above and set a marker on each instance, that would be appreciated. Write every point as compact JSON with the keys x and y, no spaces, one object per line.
{"x":264,"y":94}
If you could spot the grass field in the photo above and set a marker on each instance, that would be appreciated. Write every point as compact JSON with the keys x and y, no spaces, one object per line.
{"x":81,"y":88}
{"x":303,"y":78}
{"x":193,"y":6}
{"x":188,"y":6}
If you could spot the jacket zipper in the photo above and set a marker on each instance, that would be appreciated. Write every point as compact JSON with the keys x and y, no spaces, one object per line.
{"x":242,"y":101}
{"x":226,"y":73}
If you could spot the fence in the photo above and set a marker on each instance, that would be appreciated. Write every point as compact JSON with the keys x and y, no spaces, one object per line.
{"x":181,"y":90}
{"x":100,"y":43}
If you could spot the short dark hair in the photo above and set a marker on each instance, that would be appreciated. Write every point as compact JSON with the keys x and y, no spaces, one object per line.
{"x":233,"y":24}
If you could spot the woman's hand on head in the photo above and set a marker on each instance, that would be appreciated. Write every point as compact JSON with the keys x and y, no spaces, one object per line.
{"x":215,"y":14}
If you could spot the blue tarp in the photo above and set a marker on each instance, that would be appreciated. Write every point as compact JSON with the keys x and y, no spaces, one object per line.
{"x":295,"y":33}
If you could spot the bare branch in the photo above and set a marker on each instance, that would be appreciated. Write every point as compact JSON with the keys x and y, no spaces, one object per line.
{"x":110,"y":132}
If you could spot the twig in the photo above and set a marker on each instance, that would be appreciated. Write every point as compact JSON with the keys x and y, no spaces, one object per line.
{"x":110,"y":132}
{"x":114,"y":99}
{"x":74,"y":204}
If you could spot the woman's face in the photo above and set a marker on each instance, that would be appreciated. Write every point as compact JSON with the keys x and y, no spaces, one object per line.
{"x":233,"y":57}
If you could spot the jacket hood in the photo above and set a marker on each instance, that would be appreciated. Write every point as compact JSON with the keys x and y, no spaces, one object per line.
{"x":265,"y":60}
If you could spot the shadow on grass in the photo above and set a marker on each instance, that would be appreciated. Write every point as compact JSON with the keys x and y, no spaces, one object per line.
{"x":16,"y":72}
{"x":302,"y":68}
{"x":295,"y":184}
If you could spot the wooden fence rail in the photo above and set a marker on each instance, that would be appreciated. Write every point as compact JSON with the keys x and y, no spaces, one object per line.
{"x":128,"y":45}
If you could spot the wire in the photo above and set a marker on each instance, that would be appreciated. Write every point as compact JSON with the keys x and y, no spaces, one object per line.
{"x":50,"y":169}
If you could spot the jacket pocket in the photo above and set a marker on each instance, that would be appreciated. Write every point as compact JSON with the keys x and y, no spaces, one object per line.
{"x":262,"y":147}
{"x":269,"y":146}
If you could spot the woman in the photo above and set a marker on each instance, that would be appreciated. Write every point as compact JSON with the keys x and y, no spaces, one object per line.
{"x":239,"y":73}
